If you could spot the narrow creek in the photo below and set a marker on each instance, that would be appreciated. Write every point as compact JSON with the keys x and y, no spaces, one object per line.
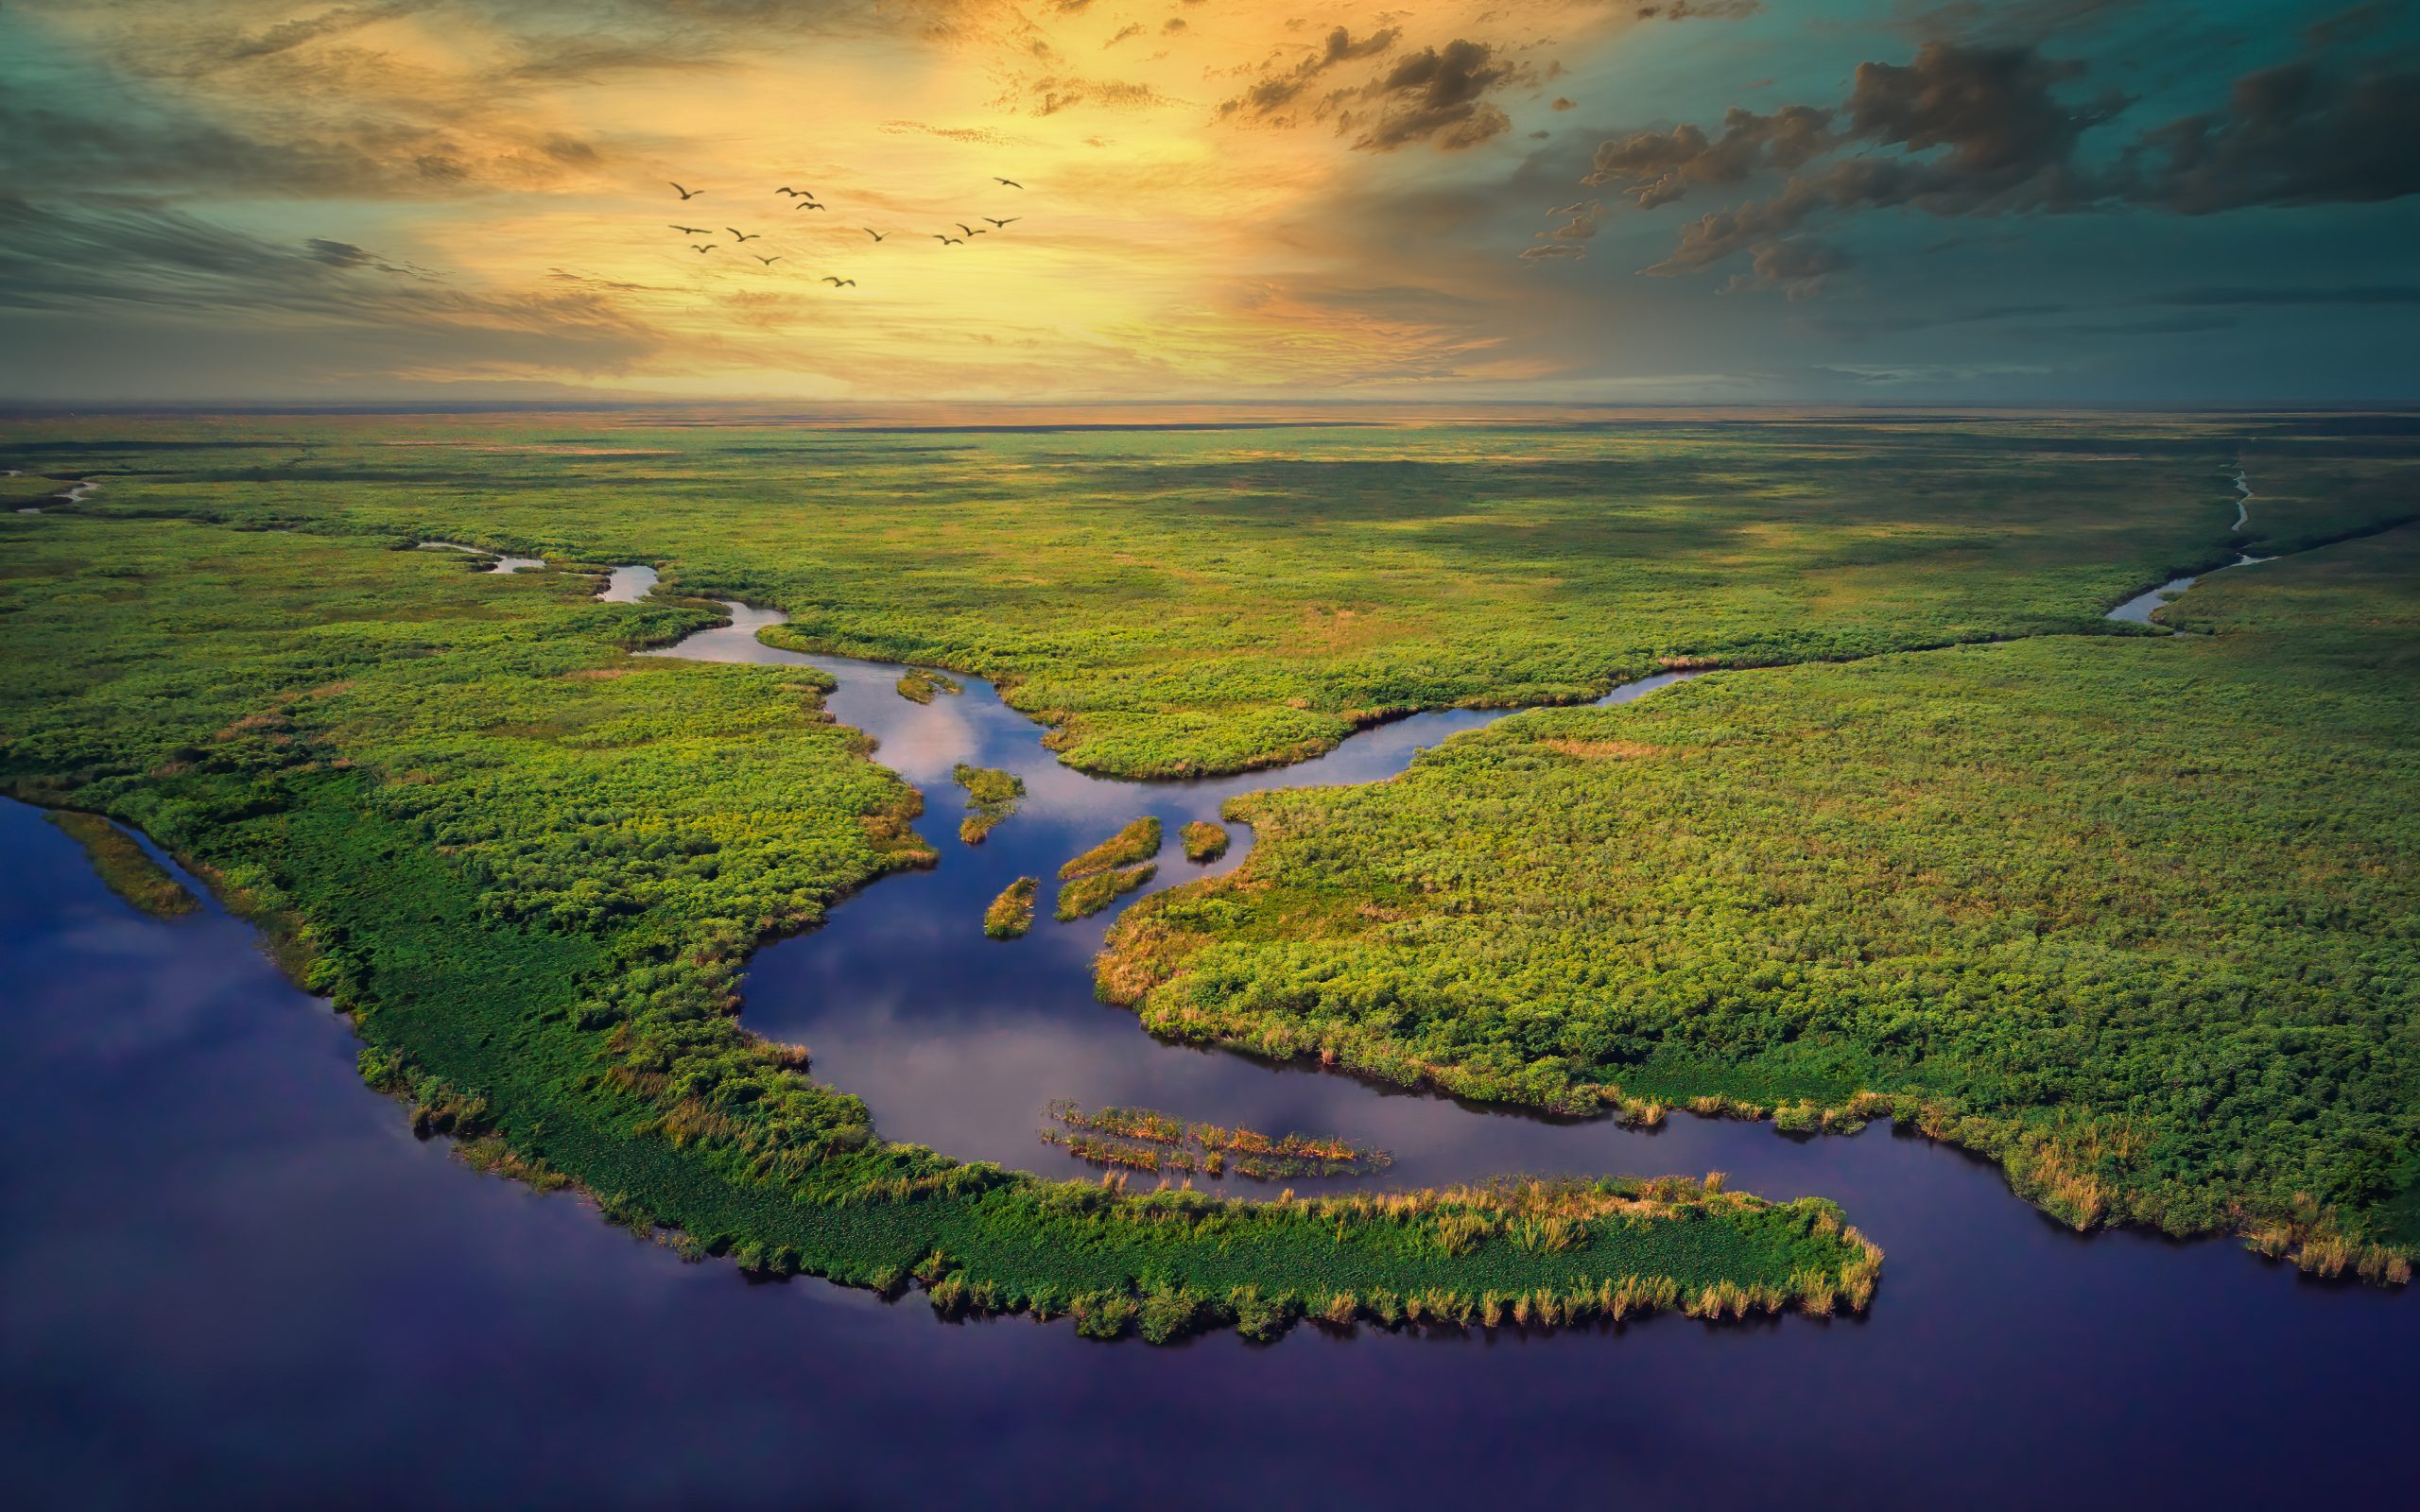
{"x":74,"y":493}
{"x":2138,"y":610}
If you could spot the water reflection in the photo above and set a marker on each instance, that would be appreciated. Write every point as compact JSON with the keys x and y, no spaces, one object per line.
{"x":958,"y":1041}
{"x":229,"y":1276}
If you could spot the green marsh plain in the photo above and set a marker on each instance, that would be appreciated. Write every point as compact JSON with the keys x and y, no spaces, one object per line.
{"x":2132,"y":914}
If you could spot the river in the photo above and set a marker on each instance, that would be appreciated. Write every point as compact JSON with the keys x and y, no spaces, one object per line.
{"x":231,"y":1276}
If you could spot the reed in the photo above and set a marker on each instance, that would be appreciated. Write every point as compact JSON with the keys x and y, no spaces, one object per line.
{"x":1091,"y":892}
{"x":1135,"y":842}
{"x":123,"y":866}
{"x":1010,"y":914}
{"x":992,"y":796}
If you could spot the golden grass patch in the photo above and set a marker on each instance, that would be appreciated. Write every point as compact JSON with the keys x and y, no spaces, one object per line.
{"x":1598,"y":750}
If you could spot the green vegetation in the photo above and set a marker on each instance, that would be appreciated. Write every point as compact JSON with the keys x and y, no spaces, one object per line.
{"x":1204,"y":840}
{"x":992,"y":796}
{"x":1109,"y":870}
{"x":123,"y":863}
{"x":1011,"y":913}
{"x":2138,"y":919}
{"x":574,"y":851}
{"x":1136,"y":841}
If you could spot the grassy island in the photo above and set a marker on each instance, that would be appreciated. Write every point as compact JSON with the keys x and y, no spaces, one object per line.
{"x":1203,"y":841}
{"x":1138,"y":841}
{"x":992,"y":796}
{"x":1011,"y":913}
{"x":1109,"y":870}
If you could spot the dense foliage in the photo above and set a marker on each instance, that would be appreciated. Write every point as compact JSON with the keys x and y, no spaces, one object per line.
{"x":2138,"y":918}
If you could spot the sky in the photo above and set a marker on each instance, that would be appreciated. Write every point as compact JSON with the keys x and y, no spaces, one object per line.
{"x":1675,"y":202}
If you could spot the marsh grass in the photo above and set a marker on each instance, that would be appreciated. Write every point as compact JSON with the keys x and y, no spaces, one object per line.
{"x":123,"y":865}
{"x":1094,"y":891}
{"x":992,"y":796}
{"x":1147,"y":1140}
{"x":1203,"y":841}
{"x":1011,"y":913}
{"x":1138,"y":841}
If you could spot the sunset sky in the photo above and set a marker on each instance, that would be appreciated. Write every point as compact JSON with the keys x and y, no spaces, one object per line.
{"x":1697,"y":202}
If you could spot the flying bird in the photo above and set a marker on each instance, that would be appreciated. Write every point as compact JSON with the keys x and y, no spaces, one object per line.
{"x":737,"y":235}
{"x":1004,"y":222}
{"x":875,"y":234}
{"x":768,"y":261}
{"x":786,"y":189}
{"x":1011,"y":182}
{"x":807,"y":205}
{"x":707,"y":247}
{"x":969,"y":229}
{"x":840,"y":283}
{"x":687,"y":194}
{"x":949,"y":241}
{"x":693,"y":230}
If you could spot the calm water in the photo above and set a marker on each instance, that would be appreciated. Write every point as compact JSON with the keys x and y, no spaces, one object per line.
{"x":229,"y":1274}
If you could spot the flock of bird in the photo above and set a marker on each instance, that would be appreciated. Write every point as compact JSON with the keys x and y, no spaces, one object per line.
{"x":804,"y":199}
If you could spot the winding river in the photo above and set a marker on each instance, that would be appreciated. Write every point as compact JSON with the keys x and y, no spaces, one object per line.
{"x":958,"y":1041}
{"x":74,"y":493}
{"x":229,"y":1276}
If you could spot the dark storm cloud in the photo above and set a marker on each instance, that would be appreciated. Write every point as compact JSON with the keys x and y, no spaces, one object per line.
{"x":287,"y":35}
{"x":339,"y":254}
{"x":49,"y":145}
{"x":1994,"y":113}
{"x":2002,"y":130}
{"x":1280,"y":89}
{"x":1438,"y":96}
{"x":2300,"y":133}
{"x":1700,"y":9}
{"x":1655,"y":168}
